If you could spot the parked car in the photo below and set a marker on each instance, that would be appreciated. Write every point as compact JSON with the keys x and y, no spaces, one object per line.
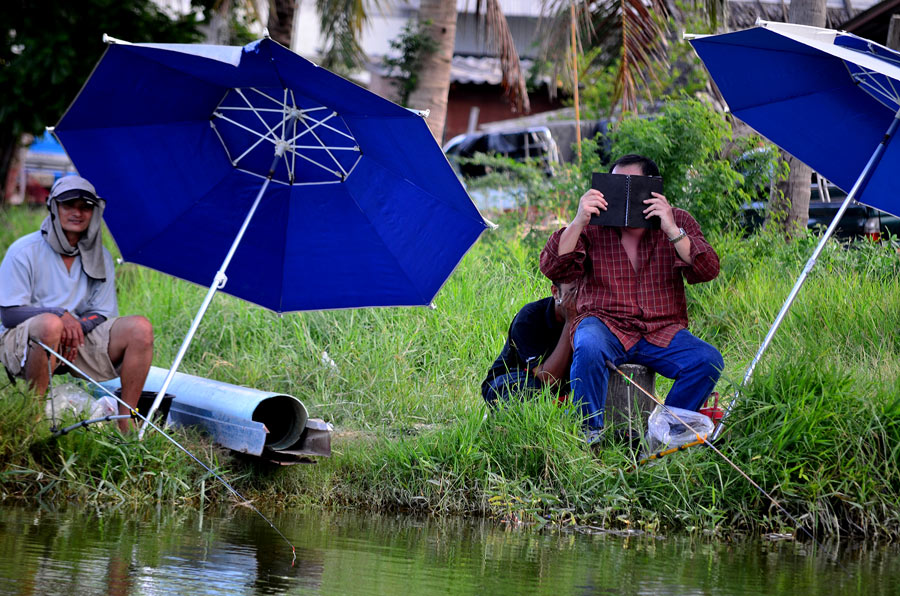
{"x":529,"y":143}
{"x":858,"y":221}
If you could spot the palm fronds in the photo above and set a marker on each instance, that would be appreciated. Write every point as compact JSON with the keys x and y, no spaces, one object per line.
{"x":341,"y":23}
{"x":500,"y":40}
{"x":629,"y":33}
{"x":643,"y":47}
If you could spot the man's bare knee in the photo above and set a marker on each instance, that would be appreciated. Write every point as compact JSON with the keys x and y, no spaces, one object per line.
{"x":135,"y":330}
{"x":143,"y":329}
{"x":47,"y":328}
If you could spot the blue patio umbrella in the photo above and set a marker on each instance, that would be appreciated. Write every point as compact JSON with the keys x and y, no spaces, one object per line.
{"x":829,"y":98}
{"x":253,"y":171}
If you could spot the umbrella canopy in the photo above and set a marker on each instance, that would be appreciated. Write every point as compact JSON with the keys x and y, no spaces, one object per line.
{"x":823,"y":96}
{"x":361,"y":207}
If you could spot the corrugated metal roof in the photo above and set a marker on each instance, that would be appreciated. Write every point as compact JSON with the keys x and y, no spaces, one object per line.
{"x":857,"y":5}
{"x":743,"y":13}
{"x":527,"y":8}
{"x":470,"y":70}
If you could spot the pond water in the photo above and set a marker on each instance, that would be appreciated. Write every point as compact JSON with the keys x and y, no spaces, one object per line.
{"x":80,"y":550}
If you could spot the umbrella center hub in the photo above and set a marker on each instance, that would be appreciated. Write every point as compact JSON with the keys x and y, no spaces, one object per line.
{"x":313,"y":142}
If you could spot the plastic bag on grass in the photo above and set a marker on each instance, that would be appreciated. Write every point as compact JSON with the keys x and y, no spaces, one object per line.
{"x":72,"y":397}
{"x":665,"y":431}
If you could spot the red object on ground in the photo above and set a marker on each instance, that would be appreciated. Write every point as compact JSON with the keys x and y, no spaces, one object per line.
{"x":714,"y":412}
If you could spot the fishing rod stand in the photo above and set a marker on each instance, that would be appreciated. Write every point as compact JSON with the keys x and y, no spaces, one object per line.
{"x":86,"y":423}
{"x":54,"y":429}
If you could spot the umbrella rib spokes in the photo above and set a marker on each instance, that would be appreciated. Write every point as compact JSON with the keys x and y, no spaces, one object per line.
{"x":256,"y":113}
{"x":294,"y":132}
{"x":309,"y":128}
{"x":222,"y":116}
{"x":870,"y":49}
{"x":249,"y":109}
{"x":328,"y":151}
{"x":264,"y":138}
{"x":871,"y":83}
{"x":290,"y":113}
{"x":249,"y":149}
{"x":314,"y":162}
{"x":267,"y":96}
{"x":323,"y":121}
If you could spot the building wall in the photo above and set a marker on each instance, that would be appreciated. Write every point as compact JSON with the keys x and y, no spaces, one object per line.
{"x":492,"y":105}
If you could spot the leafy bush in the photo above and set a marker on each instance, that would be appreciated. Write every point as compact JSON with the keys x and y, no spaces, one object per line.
{"x":688,"y":141}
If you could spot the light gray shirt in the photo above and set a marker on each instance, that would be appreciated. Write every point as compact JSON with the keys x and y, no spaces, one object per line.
{"x":33,"y":274}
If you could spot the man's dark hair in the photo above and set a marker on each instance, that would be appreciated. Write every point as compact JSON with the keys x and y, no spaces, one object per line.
{"x":648,"y":166}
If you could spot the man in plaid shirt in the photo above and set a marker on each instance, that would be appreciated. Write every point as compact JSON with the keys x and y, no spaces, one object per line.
{"x":630,"y":303}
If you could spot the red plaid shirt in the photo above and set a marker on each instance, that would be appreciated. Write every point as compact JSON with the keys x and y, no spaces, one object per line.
{"x":649,"y":303}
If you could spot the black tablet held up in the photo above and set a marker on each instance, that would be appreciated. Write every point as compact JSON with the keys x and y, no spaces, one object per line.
{"x":625,"y":195}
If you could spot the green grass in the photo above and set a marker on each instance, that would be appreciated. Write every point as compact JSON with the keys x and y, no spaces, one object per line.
{"x":819,"y":426}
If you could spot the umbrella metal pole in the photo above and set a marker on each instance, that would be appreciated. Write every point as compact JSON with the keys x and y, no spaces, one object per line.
{"x":218,"y":282}
{"x":857,"y":187}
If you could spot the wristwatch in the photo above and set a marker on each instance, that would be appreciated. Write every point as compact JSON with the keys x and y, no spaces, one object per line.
{"x":681,"y":234}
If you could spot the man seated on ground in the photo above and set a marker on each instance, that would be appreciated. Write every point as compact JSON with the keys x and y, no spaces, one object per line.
{"x":631,"y":305}
{"x":537,"y":351}
{"x":58,"y":287}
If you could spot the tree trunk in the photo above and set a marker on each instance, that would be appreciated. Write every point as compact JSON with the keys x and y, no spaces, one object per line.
{"x":8,"y":146}
{"x":434,"y":79}
{"x":281,"y":21}
{"x":789,"y":205}
{"x":220,"y":24}
{"x":790,"y":209}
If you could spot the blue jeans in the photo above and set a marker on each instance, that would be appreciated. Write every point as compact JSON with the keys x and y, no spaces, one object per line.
{"x":694,"y":364}
{"x":515,"y":382}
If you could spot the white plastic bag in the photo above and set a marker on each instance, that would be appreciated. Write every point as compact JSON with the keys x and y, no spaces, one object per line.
{"x":105,"y":406}
{"x":72,"y":398}
{"x":666,"y":431}
{"x":67,"y":397}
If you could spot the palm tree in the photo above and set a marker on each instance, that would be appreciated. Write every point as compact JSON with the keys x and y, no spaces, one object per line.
{"x":341,"y":23}
{"x":434,"y":79}
{"x":281,"y":20}
{"x":439,"y":18}
{"x":630,"y":33}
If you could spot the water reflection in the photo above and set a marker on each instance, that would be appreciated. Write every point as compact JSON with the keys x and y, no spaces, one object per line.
{"x":231,"y":551}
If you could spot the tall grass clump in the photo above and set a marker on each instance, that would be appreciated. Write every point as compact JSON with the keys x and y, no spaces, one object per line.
{"x":97,"y":464}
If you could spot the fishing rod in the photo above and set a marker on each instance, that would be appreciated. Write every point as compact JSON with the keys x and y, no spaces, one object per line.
{"x":670,"y":451}
{"x":133,"y":413}
{"x":701,"y":440}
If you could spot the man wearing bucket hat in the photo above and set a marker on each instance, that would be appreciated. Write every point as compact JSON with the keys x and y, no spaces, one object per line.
{"x":57,"y":286}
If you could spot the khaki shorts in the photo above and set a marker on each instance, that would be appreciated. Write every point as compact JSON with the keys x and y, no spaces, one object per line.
{"x":93,"y":356}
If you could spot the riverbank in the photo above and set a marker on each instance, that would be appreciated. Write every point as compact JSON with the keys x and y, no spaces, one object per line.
{"x":819,"y":427}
